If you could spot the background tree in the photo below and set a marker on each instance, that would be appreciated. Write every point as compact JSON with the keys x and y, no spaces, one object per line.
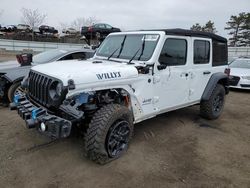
{"x":234,"y":25}
{"x":208,"y":27}
{"x":244,"y":31}
{"x":78,"y":23}
{"x":196,"y":27}
{"x":32,"y":18}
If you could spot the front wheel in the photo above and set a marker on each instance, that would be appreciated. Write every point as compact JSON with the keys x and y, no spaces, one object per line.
{"x":12,"y":90}
{"x":213,"y":108}
{"x":109,"y":133}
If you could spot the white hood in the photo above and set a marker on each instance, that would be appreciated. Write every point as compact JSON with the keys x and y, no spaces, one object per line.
{"x":85,"y":71}
{"x":239,"y":72}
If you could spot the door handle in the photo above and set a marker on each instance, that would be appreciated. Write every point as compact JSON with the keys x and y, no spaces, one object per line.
{"x":206,"y":72}
{"x":184,"y":74}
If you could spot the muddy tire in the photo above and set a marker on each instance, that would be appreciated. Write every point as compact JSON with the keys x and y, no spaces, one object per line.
{"x":12,"y":90}
{"x":213,"y":108}
{"x":109,"y":133}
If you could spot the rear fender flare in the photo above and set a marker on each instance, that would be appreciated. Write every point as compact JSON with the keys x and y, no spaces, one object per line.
{"x":216,"y":78}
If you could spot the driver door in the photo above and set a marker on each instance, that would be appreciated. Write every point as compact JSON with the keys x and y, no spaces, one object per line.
{"x":172,"y":75}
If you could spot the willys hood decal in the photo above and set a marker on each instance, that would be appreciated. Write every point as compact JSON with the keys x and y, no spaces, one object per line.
{"x":84,"y":72}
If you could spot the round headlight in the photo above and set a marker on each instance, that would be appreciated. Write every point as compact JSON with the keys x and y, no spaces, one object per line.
{"x":56,"y":89}
{"x":59,"y":88}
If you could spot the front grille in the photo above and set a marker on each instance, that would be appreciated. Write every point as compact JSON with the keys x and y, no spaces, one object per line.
{"x":234,"y":80}
{"x":39,"y":87}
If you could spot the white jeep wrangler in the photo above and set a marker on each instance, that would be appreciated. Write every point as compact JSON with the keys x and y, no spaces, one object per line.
{"x":133,"y":76}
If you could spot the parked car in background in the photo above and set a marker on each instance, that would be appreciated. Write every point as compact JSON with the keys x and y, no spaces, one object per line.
{"x":23,"y":27}
{"x":47,"y":29}
{"x":36,"y":30}
{"x":11,"y":28}
{"x":70,"y":31}
{"x":8,"y":28}
{"x":2,"y":28}
{"x":99,"y":30}
{"x":240,"y":73}
{"x":10,"y":78}
{"x":231,"y":59}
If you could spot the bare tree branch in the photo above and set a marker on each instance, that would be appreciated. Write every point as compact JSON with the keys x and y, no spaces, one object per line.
{"x":79,"y":22}
{"x":32,"y":17}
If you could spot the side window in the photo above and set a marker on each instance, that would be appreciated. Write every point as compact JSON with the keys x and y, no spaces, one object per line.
{"x":174,"y":52}
{"x":201,"y":51}
{"x":101,"y":26}
{"x":108,"y":26}
{"x":77,"y":55}
{"x":67,"y":57}
{"x":220,"y":54}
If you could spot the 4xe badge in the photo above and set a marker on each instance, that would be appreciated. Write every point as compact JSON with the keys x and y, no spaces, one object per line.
{"x":109,"y":75}
{"x":146,"y":101}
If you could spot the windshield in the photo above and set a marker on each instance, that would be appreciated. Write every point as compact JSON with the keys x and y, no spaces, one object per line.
{"x":47,"y":56}
{"x":126,"y":46}
{"x":243,"y":63}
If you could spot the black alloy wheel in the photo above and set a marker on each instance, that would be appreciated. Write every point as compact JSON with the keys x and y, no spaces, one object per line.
{"x":118,"y":138}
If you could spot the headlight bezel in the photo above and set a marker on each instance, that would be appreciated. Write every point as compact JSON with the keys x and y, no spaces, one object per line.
{"x":56,"y":90}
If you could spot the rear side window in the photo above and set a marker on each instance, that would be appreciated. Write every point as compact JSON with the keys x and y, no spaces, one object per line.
{"x":201,"y":51}
{"x":220,"y":54}
{"x":174,"y":52}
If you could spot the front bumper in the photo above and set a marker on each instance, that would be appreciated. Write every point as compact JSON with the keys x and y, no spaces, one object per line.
{"x":38,"y":117}
{"x":240,"y":83}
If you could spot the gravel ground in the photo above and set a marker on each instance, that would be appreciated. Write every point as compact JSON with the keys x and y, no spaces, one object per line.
{"x":176,"y":149}
{"x":8,"y":57}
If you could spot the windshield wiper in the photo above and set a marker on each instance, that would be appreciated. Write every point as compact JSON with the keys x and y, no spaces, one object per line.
{"x":122,"y":44}
{"x":121,"y":47}
{"x":113,"y":53}
{"x":143,"y":47}
{"x":129,"y":62}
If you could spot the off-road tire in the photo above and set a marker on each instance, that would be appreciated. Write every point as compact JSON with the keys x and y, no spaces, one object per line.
{"x":12,"y":90}
{"x":99,"y":128}
{"x":207,"y":108}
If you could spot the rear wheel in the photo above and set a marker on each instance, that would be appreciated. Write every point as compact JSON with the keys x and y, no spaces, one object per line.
{"x":213,"y":108}
{"x":12,"y":90}
{"x":109,"y":133}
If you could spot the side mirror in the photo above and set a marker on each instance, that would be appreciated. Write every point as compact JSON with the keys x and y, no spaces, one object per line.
{"x":24,"y":59}
{"x":161,"y":66}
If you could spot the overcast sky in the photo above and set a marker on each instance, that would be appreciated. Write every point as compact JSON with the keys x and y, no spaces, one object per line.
{"x":130,"y":14}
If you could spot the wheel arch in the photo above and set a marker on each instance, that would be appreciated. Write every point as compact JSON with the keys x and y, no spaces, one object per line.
{"x":216,"y":78}
{"x":133,"y":102}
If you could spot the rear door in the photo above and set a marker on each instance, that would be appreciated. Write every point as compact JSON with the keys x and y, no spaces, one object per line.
{"x":201,"y":67}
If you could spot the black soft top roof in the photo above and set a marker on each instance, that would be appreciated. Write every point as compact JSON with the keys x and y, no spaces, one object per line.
{"x":185,"y":32}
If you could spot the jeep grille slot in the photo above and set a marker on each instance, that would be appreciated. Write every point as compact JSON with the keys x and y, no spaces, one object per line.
{"x":39,"y":88}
